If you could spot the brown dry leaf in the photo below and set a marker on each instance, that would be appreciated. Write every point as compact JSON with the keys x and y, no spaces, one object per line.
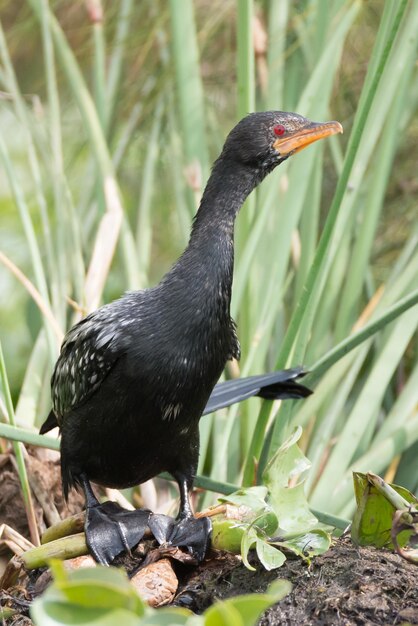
{"x":12,"y":544}
{"x":177,"y":554}
{"x":13,"y":574}
{"x":259,"y":36}
{"x":260,"y":50}
{"x":156,"y":583}
{"x":107,"y":236}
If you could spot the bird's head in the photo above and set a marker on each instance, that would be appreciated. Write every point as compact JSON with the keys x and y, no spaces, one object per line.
{"x":263,"y":140}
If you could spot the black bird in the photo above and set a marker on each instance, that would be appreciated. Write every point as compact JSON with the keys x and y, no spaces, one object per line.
{"x":134,"y":377}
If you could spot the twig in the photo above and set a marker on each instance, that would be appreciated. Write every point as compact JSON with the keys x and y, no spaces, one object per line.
{"x":34,"y":293}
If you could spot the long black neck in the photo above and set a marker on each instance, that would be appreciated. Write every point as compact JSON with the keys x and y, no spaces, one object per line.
{"x":206,"y":266}
{"x":228,"y":186}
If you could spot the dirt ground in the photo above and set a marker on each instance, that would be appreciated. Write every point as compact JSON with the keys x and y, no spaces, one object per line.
{"x":347,"y":586}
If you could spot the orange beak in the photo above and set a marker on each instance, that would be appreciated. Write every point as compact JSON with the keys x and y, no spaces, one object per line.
{"x":300,"y":139}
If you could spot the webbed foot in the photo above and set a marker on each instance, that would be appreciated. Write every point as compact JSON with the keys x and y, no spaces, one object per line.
{"x":187,"y":532}
{"x":111,"y":530}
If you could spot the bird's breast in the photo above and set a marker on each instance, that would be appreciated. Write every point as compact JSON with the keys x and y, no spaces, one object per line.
{"x":171,"y":375}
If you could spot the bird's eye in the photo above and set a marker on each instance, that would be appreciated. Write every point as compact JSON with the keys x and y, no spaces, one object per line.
{"x":279,"y":129}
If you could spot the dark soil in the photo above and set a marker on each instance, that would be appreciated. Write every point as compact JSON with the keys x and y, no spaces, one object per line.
{"x":348,"y":586}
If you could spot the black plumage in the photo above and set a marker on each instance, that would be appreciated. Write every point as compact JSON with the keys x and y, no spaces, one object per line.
{"x":134,"y":377}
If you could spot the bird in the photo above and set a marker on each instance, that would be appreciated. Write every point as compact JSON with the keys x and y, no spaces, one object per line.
{"x":134,"y":377}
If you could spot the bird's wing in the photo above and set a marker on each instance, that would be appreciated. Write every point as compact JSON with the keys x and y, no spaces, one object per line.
{"x":235,"y":350}
{"x":277,"y":385}
{"x":89,"y":351}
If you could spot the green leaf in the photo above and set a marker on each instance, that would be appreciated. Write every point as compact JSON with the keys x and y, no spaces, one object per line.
{"x":223,"y":614}
{"x":245,"y":610}
{"x":267,"y":523}
{"x":102,"y":596}
{"x":102,"y":587}
{"x":259,"y":512}
{"x":227,"y":534}
{"x":270,"y":557}
{"x":252,"y":497}
{"x":306,"y":546}
{"x":249,"y":538}
{"x":284,"y":478}
{"x":170,"y":617}
{"x":46,"y":612}
{"x":99,"y":595}
{"x":372,"y":522}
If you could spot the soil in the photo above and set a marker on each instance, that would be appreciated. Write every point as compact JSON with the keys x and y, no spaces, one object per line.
{"x":347,"y":586}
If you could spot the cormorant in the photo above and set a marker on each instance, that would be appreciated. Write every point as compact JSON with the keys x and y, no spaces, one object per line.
{"x":134,"y":377}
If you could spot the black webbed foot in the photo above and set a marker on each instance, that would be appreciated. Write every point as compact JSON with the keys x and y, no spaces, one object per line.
{"x":161,"y":527}
{"x":187,"y":532}
{"x":192,"y":533}
{"x":111,"y":530}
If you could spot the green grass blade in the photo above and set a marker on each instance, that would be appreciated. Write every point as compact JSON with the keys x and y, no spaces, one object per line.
{"x":354,"y":340}
{"x":246,"y":104}
{"x":278,"y":14}
{"x":108,"y":232}
{"x":364,"y":412}
{"x":245,"y":61}
{"x":378,"y":458}
{"x":301,"y":322}
{"x":356,"y":269}
{"x":124,"y":21}
{"x":144,"y":226}
{"x":96,"y":15}
{"x":303,"y":309}
{"x":13,"y":433}
{"x":402,"y":409}
{"x":18,"y":450}
{"x":31,"y":238}
{"x":30,"y":392}
{"x":189,"y":87}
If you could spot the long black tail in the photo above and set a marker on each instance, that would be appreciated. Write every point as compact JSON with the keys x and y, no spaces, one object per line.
{"x":275,"y":386}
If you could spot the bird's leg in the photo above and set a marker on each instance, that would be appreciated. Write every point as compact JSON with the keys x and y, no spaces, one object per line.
{"x":186,"y":531}
{"x":109,"y":528}
{"x":91,"y":499}
{"x":185,"y":486}
{"x":189,"y":531}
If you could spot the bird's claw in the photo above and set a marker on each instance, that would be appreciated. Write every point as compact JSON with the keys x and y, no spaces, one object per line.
{"x":194,"y":534}
{"x":188,"y":532}
{"x":111,"y":530}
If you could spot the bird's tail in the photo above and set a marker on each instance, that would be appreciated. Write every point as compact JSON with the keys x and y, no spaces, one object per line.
{"x":274,"y":386}
{"x":68,"y":480}
{"x":49,"y":423}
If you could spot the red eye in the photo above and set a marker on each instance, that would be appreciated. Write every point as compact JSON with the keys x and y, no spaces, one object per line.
{"x":279,"y":129}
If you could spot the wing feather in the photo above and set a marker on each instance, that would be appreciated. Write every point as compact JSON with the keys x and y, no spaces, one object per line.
{"x":88,"y":353}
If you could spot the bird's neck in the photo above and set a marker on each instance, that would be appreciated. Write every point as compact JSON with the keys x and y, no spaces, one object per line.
{"x":227,"y":188}
{"x":210,"y":252}
{"x":203,"y":273}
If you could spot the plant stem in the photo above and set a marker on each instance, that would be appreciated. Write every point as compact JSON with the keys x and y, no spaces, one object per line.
{"x":14,"y":433}
{"x":18,"y":450}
